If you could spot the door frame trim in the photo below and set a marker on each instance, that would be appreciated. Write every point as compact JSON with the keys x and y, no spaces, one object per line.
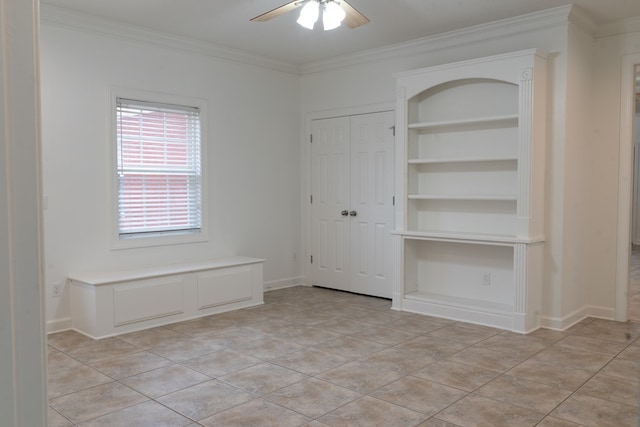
{"x":625,"y":183}
{"x":305,"y":173}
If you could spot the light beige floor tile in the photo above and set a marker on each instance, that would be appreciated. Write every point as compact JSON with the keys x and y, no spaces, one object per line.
{"x":58,"y":361}
{"x":268,"y":326}
{"x":463,"y":334}
{"x":96,"y":401}
{"x":556,"y":422}
{"x":360,"y":377}
{"x":343,"y":326}
{"x":131,"y":364}
{"x":419,"y":395}
{"x":147,"y":414}
{"x":458,"y":375}
{"x":632,"y":352}
{"x":306,"y":317}
{"x":275,"y":310}
{"x":266,"y":348}
{"x":221,"y":362}
{"x":307,"y":335}
{"x":365,"y":339}
{"x":264,"y":378}
{"x":315,"y":423}
{"x":613,"y":389}
{"x":310,"y":362}
{"x":100,"y":350}
{"x":434,"y":422}
{"x":151,"y":337}
{"x":374,"y":317}
{"x":313,"y":397}
{"x":527,"y":394}
{"x":164,"y":380}
{"x":203,"y":400}
{"x":479,"y":411}
{"x":203,"y":326}
{"x":608,"y":330}
{"x":258,"y":412}
{"x":68,"y":340}
{"x":623,"y":368}
{"x":238,"y":317}
{"x":351,"y":348}
{"x":594,"y":412}
{"x":72,"y":380}
{"x":230,"y":337}
{"x":548,"y":336}
{"x":573,"y":358}
{"x":385,"y":336}
{"x":593,"y":345}
{"x":514,"y":344}
{"x":57,"y":420}
{"x":430,"y":346}
{"x":416,"y":325}
{"x":393,"y":359}
{"x":183,"y":349}
{"x":371,"y":412}
{"x":551,"y":374}
{"x":487,"y":359}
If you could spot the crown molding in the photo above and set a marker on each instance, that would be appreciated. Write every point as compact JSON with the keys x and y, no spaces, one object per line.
{"x":494,"y":30}
{"x":624,"y":26}
{"x":68,"y":19}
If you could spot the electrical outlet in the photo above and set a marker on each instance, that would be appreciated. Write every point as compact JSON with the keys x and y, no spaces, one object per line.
{"x":56,"y":289}
{"x":486,"y":279}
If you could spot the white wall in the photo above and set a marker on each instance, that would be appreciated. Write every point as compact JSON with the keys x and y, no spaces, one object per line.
{"x":583,"y":264}
{"x":252,"y":155}
{"x":372,"y":82}
{"x":606,"y":121}
{"x":23,"y":397}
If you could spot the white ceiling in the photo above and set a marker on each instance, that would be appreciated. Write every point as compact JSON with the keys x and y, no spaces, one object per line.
{"x":226,"y":22}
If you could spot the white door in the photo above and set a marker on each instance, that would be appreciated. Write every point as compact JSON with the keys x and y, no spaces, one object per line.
{"x":352,"y":206}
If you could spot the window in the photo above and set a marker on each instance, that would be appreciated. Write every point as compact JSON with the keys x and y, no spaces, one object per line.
{"x":159,"y":182}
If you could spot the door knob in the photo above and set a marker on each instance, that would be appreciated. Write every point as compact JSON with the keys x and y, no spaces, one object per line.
{"x":353,"y":213}
{"x":344,"y":213}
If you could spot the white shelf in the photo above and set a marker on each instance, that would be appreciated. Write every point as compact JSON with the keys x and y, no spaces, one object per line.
{"x":461,"y":160}
{"x":479,"y":238}
{"x":463,"y":213}
{"x":504,"y":121}
{"x":479,"y":197}
{"x":466,"y":303}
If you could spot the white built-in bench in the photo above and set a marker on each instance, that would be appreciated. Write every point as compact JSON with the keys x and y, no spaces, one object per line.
{"x":107,"y":304}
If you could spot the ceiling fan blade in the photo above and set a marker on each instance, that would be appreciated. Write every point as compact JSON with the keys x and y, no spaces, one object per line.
{"x":277,"y":11}
{"x":353,"y":18}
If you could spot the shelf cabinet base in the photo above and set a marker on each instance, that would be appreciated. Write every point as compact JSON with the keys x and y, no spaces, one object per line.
{"x":486,"y":314}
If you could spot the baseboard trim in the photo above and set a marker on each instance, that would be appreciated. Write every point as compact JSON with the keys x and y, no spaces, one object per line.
{"x":564,"y":323}
{"x":283,"y":283}
{"x":58,"y":325}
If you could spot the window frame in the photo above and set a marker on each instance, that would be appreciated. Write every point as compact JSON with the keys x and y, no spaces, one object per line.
{"x":157,"y":239}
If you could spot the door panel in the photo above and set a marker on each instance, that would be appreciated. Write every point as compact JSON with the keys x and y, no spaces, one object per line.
{"x":372,"y":183}
{"x":352,"y":170}
{"x":330,"y":189}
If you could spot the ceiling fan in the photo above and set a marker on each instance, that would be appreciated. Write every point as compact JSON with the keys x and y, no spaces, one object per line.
{"x":334,"y":12}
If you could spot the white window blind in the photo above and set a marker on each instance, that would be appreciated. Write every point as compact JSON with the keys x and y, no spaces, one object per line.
{"x":159,"y":168}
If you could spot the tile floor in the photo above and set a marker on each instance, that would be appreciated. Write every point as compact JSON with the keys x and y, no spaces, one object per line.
{"x":314,"y":357}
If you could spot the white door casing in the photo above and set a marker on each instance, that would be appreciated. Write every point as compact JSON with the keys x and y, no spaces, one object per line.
{"x":352,"y":219}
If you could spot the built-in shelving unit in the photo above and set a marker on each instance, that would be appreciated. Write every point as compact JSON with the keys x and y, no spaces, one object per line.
{"x":470,"y":147}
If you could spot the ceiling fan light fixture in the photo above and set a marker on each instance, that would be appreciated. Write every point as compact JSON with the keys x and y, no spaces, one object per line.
{"x":332,"y":15}
{"x":309,"y":14}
